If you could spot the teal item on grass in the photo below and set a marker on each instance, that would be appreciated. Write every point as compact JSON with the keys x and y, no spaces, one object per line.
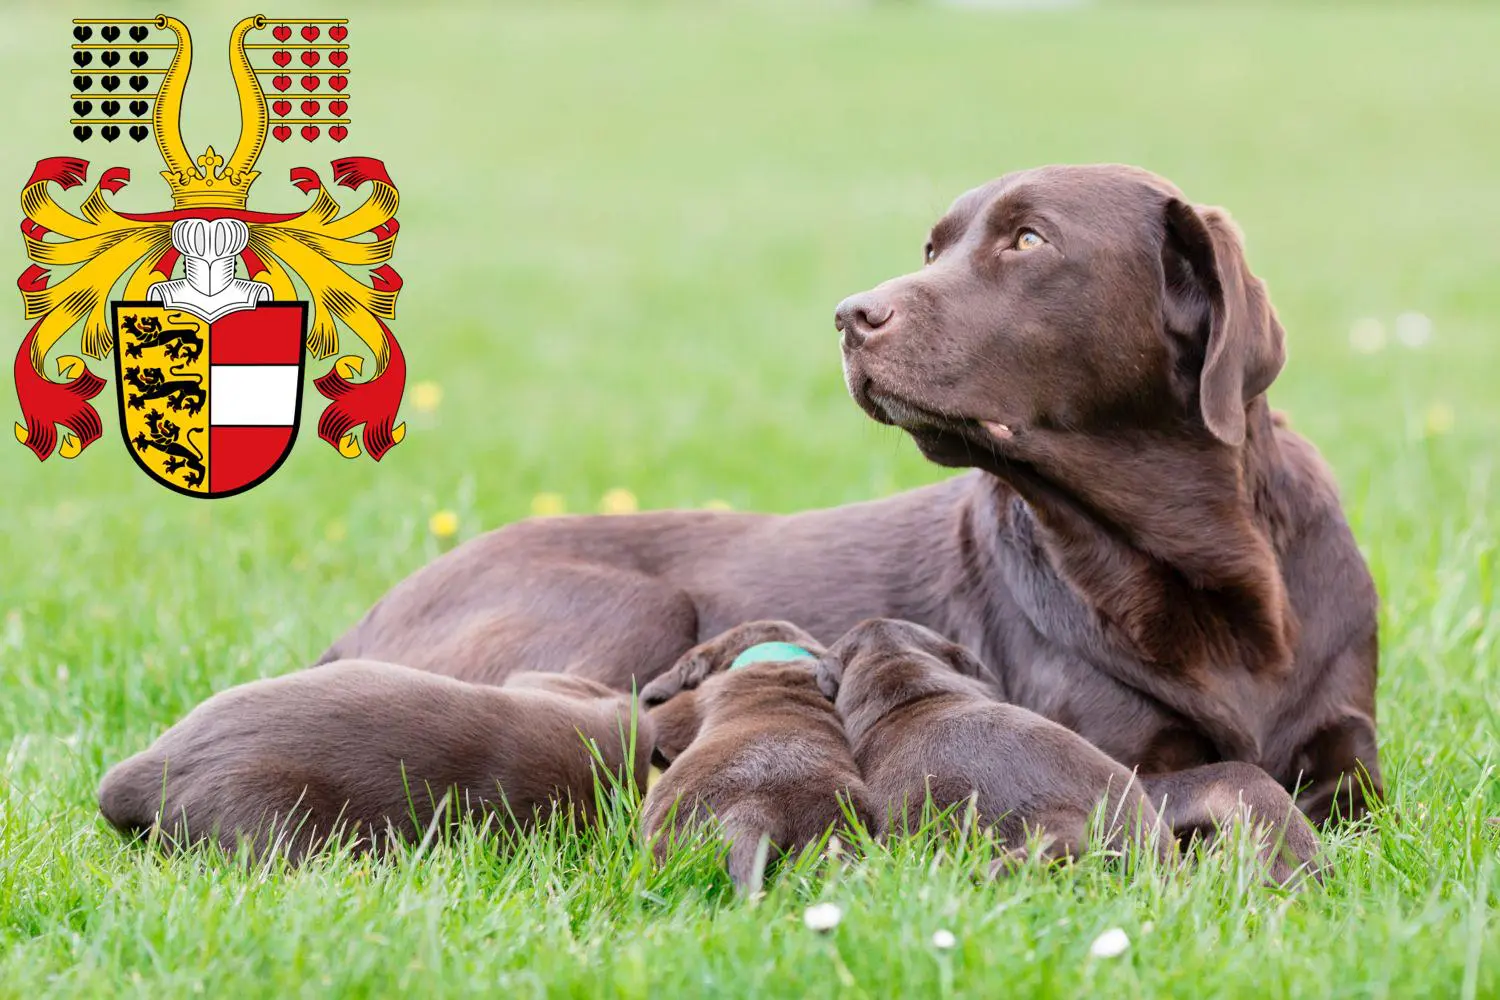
{"x":770,"y":652}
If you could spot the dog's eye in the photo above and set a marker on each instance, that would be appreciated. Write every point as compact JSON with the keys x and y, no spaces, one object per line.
{"x":929,"y":254}
{"x":1029,"y":239}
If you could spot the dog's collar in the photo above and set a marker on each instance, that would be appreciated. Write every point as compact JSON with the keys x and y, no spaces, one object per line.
{"x":770,"y":652}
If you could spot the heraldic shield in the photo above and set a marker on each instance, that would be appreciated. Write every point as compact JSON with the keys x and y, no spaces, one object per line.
{"x":209,"y":408}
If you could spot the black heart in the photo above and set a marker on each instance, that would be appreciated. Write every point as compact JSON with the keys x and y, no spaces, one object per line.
{"x":110,"y":132}
{"x":139,"y":58}
{"x":82,"y":132}
{"x":110,"y":33}
{"x":83,"y":32}
{"x":110,"y":82}
{"x":111,"y":57}
{"x":110,"y":108}
{"x":83,"y":82}
{"x":82,"y":108}
{"x":138,"y":32}
{"x":83,"y":58}
{"x":138,"y":108}
{"x":139,"y":132}
{"x":137,"y":83}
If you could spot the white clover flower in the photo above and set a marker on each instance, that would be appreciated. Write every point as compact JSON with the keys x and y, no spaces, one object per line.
{"x":1367,"y":335}
{"x":943,"y":940}
{"x":1111,"y":944}
{"x":1413,"y":329}
{"x":822,"y":917}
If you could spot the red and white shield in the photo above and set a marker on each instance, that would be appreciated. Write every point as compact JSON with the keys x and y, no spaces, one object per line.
{"x":210,"y":409}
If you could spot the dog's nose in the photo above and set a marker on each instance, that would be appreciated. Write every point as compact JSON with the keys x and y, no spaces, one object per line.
{"x":860,"y":316}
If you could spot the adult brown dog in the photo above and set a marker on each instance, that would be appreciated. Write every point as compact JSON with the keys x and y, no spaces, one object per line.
{"x":767,"y":757}
{"x":1143,"y":555}
{"x":365,"y":750}
{"x":925,"y":725}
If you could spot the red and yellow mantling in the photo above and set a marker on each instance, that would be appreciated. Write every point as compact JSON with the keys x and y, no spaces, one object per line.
{"x":315,"y":246}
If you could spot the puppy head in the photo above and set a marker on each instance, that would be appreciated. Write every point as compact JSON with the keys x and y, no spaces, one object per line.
{"x":883,"y":662}
{"x":719,"y":653}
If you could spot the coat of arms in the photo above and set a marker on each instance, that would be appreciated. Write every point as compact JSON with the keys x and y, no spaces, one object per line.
{"x":210,"y":308}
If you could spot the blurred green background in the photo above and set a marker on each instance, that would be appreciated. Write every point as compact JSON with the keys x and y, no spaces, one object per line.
{"x":623,"y":232}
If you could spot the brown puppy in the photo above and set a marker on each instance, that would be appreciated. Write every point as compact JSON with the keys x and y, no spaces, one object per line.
{"x":768,"y":759}
{"x":371,"y":749}
{"x":1144,"y":554}
{"x":922,"y":722}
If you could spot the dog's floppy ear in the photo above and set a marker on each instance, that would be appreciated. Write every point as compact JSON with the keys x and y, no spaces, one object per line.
{"x":964,"y":661}
{"x":829,"y":671}
{"x":1204,"y":269}
{"x":684,"y":675}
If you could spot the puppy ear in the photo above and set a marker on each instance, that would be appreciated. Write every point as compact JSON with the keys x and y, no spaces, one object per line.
{"x":674,"y":726}
{"x":688,"y":672}
{"x":965,"y":662}
{"x":1204,"y":270}
{"x":829,"y":671}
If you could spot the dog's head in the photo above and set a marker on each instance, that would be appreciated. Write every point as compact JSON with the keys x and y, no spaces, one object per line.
{"x":882,"y":663}
{"x":1071,"y":299}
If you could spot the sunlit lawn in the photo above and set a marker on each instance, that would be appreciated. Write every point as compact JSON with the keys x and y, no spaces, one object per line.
{"x":623,"y":234}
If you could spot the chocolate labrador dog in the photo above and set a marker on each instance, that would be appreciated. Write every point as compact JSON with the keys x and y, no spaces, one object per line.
{"x":367,"y":750}
{"x":768,"y":757}
{"x":925,"y":725}
{"x":1143,"y":553}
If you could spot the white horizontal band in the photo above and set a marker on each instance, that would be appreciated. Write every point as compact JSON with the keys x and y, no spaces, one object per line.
{"x":252,"y":395}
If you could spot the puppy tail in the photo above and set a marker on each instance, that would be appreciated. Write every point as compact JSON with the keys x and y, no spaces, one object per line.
{"x":753,"y":843}
{"x":749,"y":854}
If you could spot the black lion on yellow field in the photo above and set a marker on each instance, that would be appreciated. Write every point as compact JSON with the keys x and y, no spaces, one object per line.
{"x":183,"y":392}
{"x":176,"y":342}
{"x":181,"y":454}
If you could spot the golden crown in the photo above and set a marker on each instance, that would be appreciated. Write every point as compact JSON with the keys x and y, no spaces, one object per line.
{"x":209,"y":180}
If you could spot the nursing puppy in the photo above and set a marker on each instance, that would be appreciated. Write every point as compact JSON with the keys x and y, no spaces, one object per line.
{"x":765,"y":755}
{"x":921,"y":721}
{"x":370,"y":751}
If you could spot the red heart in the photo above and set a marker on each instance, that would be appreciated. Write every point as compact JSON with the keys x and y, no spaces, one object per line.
{"x":338,"y":82}
{"x":309,"y":58}
{"x":337,"y":133}
{"x":338,"y":32}
{"x":282,"y":108}
{"x":281,"y":58}
{"x":338,"y":107}
{"x":281,"y":82}
{"x":310,"y":132}
{"x":282,"y":133}
{"x":282,"y":32}
{"x":338,"y":57}
{"x":309,"y":83}
{"x":310,"y":33}
{"x":310,"y":108}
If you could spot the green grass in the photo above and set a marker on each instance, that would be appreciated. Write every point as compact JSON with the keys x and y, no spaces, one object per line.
{"x":624,"y":231}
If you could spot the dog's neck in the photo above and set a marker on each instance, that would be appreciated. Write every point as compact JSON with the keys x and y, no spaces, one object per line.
{"x":1163,"y":545}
